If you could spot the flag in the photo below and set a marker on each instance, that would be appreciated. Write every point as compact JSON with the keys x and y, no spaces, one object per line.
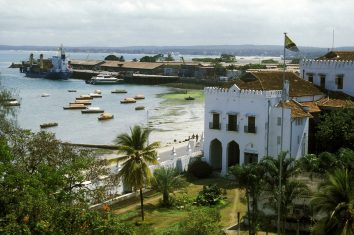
{"x":290,"y":45}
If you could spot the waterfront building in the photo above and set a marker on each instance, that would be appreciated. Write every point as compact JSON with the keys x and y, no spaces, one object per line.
{"x":248,"y":120}
{"x":334,"y":71}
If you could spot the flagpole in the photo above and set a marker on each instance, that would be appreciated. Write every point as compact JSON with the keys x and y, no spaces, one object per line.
{"x":281,"y":142}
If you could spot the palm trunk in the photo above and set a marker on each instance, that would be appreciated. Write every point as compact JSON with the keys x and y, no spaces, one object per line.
{"x":142,"y":204}
{"x":248,"y":212}
{"x":165,"y":198}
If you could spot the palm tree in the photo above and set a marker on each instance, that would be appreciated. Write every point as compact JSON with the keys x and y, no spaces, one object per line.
{"x":166,"y":181}
{"x":335,"y":200}
{"x":137,"y":156}
{"x":249,"y":177}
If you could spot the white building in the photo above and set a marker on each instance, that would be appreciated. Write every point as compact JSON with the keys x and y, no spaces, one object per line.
{"x":243,"y":123}
{"x":333,"y":71}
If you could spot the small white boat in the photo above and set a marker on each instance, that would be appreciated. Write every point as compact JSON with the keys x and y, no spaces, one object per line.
{"x":128,"y":101}
{"x":139,"y":97}
{"x":97,"y":92}
{"x":104,"y":79}
{"x":95,"y":95}
{"x":45,"y":95}
{"x":105,"y":116}
{"x":12,"y":103}
{"x":93,"y":110}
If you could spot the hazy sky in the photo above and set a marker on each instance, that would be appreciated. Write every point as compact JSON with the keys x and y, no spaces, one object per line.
{"x":175,"y":22}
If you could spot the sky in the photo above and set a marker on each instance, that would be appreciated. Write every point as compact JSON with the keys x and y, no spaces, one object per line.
{"x":116,"y":23}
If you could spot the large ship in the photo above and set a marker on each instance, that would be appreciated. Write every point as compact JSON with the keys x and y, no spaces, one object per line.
{"x":56,"y":68}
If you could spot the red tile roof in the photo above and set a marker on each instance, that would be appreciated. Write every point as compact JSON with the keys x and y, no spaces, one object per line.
{"x":273,"y":80}
{"x":297,"y":110}
{"x":338,"y":55}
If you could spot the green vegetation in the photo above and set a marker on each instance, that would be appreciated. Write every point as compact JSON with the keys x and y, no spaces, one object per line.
{"x":137,"y":156}
{"x":269,"y":61}
{"x":335,"y":130}
{"x":114,"y":58}
{"x":178,"y":96}
{"x":252,"y":66}
{"x":210,"y":196}
{"x":200,"y":169}
{"x":151,"y":58}
{"x":295,"y":61}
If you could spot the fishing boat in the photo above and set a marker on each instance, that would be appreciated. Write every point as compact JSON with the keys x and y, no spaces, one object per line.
{"x":84,"y":102}
{"x":55,"y":68}
{"x":47,"y":125}
{"x":139,"y":97}
{"x":103,"y":78}
{"x":119,"y":91}
{"x":75,"y":106}
{"x":139,"y":108}
{"x":128,"y":101}
{"x":71,"y":90}
{"x":105,"y":116}
{"x":95,"y":95}
{"x":84,"y":97}
{"x":12,"y":103}
{"x":45,"y":95}
{"x":92,"y":110}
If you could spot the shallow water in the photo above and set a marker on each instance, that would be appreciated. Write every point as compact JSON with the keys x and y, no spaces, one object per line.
{"x":168,"y":121}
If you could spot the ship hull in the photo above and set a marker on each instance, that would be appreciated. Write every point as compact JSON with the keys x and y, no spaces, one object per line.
{"x":49,"y":75}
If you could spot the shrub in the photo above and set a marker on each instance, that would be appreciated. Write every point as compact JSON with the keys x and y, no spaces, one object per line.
{"x":200,"y":169}
{"x":209,"y":196}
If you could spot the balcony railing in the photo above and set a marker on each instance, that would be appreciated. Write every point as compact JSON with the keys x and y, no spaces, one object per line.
{"x":214,"y":125}
{"x":250,"y":129}
{"x":232,"y":127}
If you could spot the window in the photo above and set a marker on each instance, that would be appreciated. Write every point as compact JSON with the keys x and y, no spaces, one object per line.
{"x":323,"y":81}
{"x":298,"y":139}
{"x":339,"y":81}
{"x":279,"y":121}
{"x":251,"y":158}
{"x":278,"y":140}
{"x":232,"y":122}
{"x":251,"y":128}
{"x":310,"y":77}
{"x":215,"y":124}
{"x":298,"y":121}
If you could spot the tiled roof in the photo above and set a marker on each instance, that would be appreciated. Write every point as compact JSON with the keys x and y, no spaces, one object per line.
{"x":333,"y":100}
{"x":297,"y":110}
{"x":273,"y":80}
{"x":338,"y":55}
{"x":132,"y":65}
{"x":86,"y":62}
{"x":312,"y":106}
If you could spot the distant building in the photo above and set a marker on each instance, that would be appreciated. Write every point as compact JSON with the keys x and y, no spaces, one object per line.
{"x":243,"y":122}
{"x":334,"y":71}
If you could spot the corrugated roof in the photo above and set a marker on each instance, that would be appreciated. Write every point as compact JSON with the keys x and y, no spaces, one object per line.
{"x":297,"y":110}
{"x":313,"y":107}
{"x":86,"y":62}
{"x":132,"y":65}
{"x":338,"y":55}
{"x":273,"y":80}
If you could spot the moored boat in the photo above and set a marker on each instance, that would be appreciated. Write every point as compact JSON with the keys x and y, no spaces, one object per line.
{"x":45,"y":95}
{"x":104,"y":79}
{"x":139,"y":97}
{"x":105,"y":116}
{"x":139,"y":108}
{"x":49,"y":124}
{"x":128,"y":100}
{"x":119,"y":91}
{"x":93,"y":110}
{"x":71,"y":90}
{"x":95,"y":95}
{"x":189,"y":98}
{"x":85,"y":102}
{"x":12,"y":103}
{"x":75,"y":106}
{"x":84,"y":97}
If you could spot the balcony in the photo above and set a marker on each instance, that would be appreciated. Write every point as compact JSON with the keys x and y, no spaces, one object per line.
{"x":250,"y":129}
{"x":214,"y":125}
{"x":232,"y":127}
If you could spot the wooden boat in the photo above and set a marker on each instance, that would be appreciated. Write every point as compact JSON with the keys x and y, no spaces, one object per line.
{"x":105,"y":116}
{"x":84,"y":97}
{"x":128,"y":101}
{"x":95,"y":95}
{"x":139,"y":97}
{"x":71,"y":90}
{"x":45,"y":95}
{"x":75,"y":106}
{"x":119,"y":91}
{"x":139,"y":108}
{"x":92,"y":110}
{"x":12,"y":103}
{"x":49,"y":124}
{"x":189,"y":98}
{"x":85,"y":102}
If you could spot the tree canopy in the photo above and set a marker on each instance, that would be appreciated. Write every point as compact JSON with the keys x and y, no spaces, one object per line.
{"x":114,"y":58}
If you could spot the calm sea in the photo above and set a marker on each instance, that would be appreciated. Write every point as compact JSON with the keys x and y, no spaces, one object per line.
{"x":168,"y":122}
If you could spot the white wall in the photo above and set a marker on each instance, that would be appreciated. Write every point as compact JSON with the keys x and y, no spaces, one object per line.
{"x":331,"y":69}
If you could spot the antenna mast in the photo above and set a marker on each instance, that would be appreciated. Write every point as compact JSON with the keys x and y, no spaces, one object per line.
{"x":333,"y":41}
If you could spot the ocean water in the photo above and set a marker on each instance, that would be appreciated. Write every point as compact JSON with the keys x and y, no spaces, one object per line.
{"x":168,"y":122}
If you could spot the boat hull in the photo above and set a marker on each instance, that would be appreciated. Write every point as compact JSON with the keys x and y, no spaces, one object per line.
{"x":49,"y":75}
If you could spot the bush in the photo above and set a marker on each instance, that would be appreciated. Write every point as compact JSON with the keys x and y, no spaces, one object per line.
{"x":210,"y":196}
{"x":200,"y":169}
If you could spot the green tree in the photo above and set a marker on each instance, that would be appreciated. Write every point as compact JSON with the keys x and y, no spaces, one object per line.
{"x":211,"y":195}
{"x":202,"y":221}
{"x":249,"y":177}
{"x":169,"y":57}
{"x":137,"y":155}
{"x":334,"y":203}
{"x":336,"y":130}
{"x":290,"y":189}
{"x":167,"y":180}
{"x":310,"y":164}
{"x":114,"y":58}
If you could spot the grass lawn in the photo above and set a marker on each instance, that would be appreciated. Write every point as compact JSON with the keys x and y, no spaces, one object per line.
{"x":166,"y":219}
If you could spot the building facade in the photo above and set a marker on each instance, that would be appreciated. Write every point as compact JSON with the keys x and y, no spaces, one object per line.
{"x":333,"y":71}
{"x":243,"y":125}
